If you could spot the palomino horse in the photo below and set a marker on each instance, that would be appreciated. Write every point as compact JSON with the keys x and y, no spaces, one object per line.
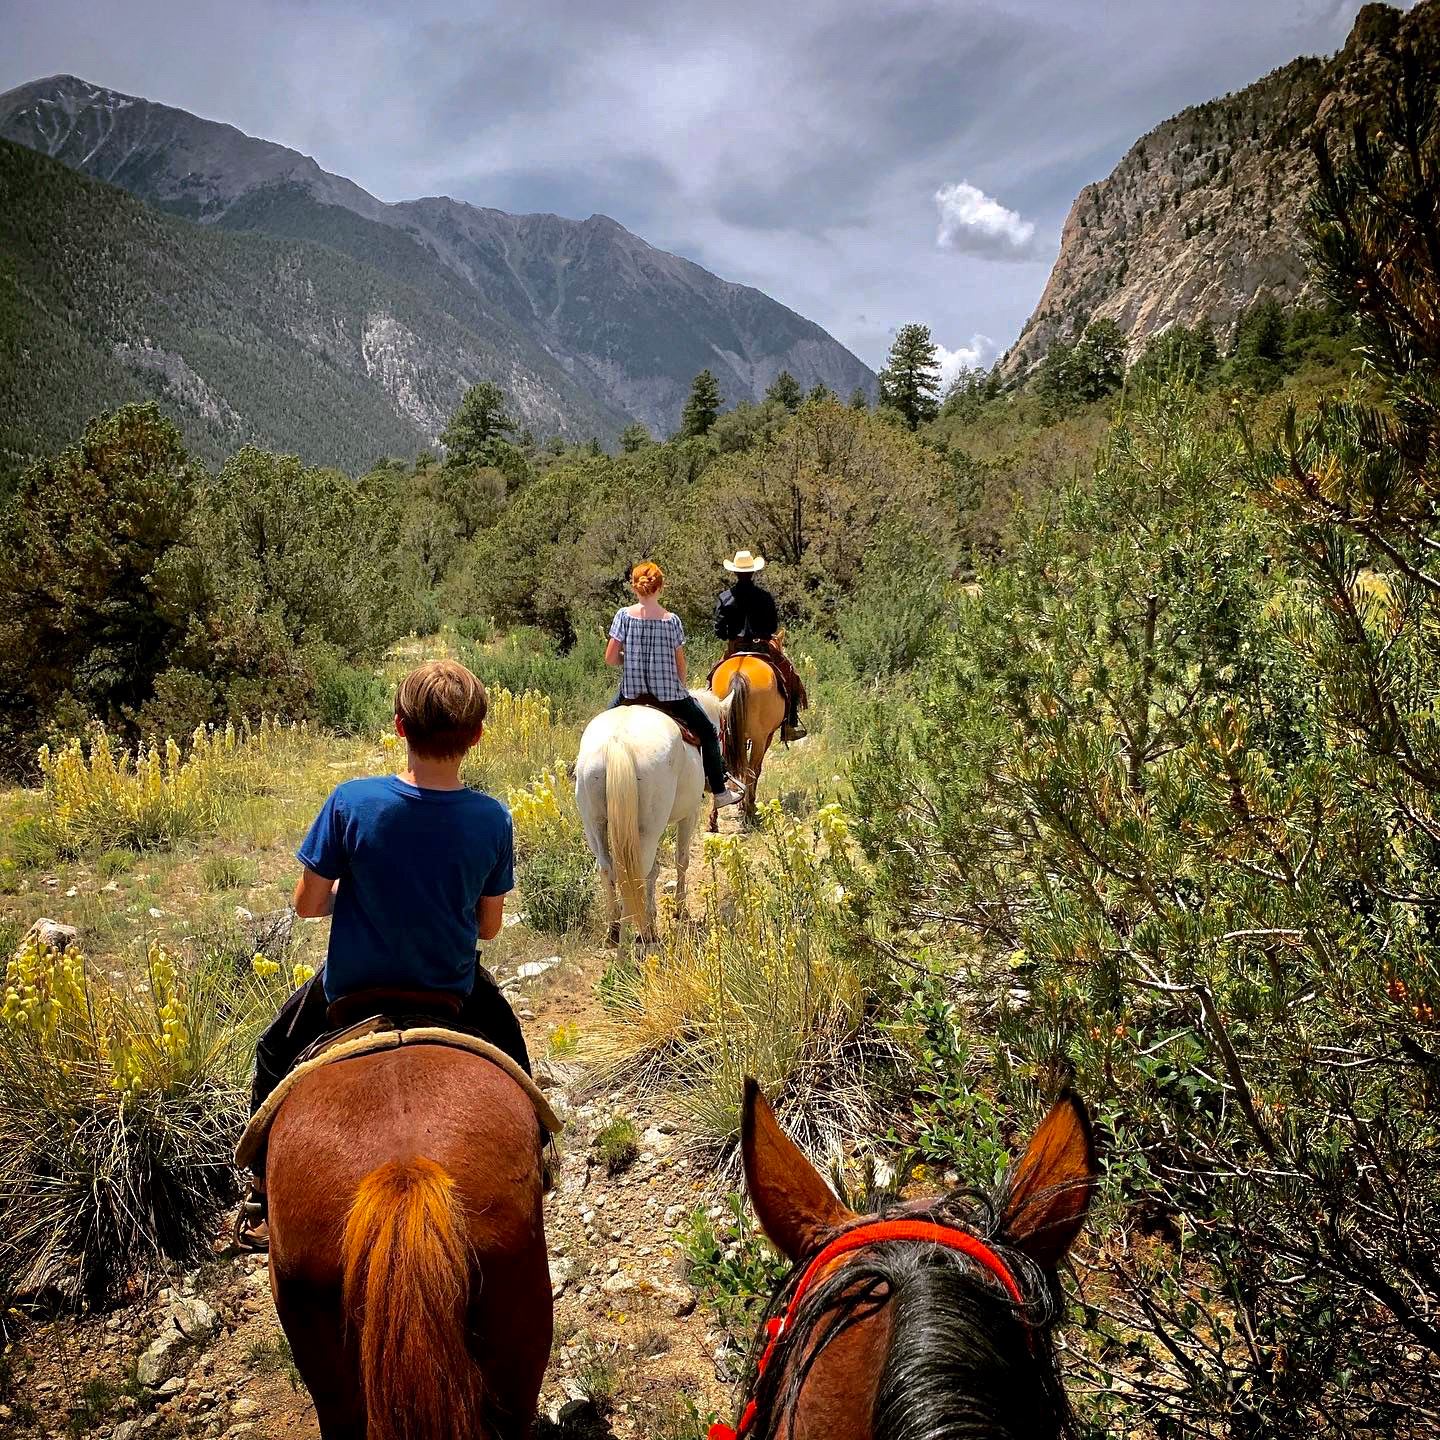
{"x":932,"y":1319}
{"x":757,"y":710}
{"x":407,"y":1246}
{"x":635,"y":776}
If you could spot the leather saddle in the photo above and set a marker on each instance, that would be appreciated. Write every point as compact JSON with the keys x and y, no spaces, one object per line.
{"x":651,"y":703}
{"x":368,"y":1012}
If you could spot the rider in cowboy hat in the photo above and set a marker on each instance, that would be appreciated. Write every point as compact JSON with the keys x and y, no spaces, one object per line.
{"x":746,"y":619}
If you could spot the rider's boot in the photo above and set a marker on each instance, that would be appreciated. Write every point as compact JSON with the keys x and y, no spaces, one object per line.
{"x":792,"y":729}
{"x":732,"y":794}
{"x":252,"y":1220}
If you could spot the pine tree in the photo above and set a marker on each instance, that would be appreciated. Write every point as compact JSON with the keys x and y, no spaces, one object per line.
{"x":820,"y":391}
{"x":786,"y":391}
{"x":858,"y":398}
{"x":635,"y":436}
{"x":479,"y":428}
{"x":910,"y":381}
{"x":703,"y":406}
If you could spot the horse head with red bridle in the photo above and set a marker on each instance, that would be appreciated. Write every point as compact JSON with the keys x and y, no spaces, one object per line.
{"x":930,"y":1321}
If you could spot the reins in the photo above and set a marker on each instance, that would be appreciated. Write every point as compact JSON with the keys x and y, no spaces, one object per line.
{"x":875,"y":1233}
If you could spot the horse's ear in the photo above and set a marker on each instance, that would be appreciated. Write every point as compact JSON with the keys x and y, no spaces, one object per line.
{"x":1052,"y":1183}
{"x":796,"y":1208}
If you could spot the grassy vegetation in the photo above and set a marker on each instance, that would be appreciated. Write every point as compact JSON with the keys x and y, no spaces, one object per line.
{"x":618,"y":1144}
{"x":777,"y":981}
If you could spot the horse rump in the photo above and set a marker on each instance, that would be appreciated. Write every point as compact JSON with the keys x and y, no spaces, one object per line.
{"x":407,"y":1288}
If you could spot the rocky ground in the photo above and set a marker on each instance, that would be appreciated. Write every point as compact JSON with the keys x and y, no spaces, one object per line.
{"x":203,"y":1355}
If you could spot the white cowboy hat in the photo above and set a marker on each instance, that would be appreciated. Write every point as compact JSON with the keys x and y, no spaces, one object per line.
{"x":745,"y":563}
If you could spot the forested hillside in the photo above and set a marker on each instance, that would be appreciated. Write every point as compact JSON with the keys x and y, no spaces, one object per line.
{"x":583,"y":323}
{"x":244,"y":338}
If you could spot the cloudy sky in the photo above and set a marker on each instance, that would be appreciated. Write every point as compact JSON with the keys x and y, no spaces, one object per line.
{"x":867,"y":164}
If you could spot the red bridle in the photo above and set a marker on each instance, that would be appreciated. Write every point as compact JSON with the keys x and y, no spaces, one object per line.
{"x":875,"y":1233}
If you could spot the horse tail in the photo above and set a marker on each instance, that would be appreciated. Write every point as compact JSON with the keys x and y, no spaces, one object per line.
{"x":735,"y":725}
{"x":622,"y":822}
{"x":407,"y":1292}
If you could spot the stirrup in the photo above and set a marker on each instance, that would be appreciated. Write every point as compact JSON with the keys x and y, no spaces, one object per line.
{"x":251,"y":1230}
{"x":793,"y":730}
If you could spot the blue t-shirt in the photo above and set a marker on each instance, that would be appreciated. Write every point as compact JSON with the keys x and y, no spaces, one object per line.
{"x":412,"y":865}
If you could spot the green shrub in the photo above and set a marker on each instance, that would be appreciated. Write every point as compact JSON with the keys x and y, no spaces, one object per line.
{"x":732,"y":1265}
{"x":221,"y":872}
{"x":618,"y":1144}
{"x":349,"y":699}
{"x":556,"y":868}
{"x":577,"y":682}
{"x":114,"y":863}
{"x":32,"y":844}
{"x":779,"y":982}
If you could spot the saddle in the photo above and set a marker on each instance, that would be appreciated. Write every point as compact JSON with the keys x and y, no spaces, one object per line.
{"x":421,"y":1019}
{"x":651,"y":703}
{"x":770,"y":651}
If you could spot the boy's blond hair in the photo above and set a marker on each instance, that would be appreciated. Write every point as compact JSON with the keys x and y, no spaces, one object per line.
{"x":443,"y":706}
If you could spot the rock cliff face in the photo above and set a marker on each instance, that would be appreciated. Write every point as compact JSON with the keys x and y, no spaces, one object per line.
{"x":1204,"y":214}
{"x":582,"y":315}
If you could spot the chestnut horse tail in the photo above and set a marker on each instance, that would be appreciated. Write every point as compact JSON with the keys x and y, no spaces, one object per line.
{"x":407,"y":1293}
{"x":737,"y":741}
{"x":622,"y":823}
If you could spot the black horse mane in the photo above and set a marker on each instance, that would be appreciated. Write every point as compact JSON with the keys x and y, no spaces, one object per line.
{"x":963,"y":1360}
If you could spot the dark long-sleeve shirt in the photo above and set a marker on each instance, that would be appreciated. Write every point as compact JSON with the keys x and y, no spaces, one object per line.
{"x":746,"y":612}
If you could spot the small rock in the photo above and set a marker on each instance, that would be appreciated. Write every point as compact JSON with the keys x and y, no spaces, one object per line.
{"x":244,"y":1409}
{"x":617,"y":1284}
{"x":193,"y":1318}
{"x":72,"y":892}
{"x":561,"y":1269}
{"x":52,"y":932}
{"x":173,"y":1386}
{"x":154,"y":1365}
{"x":533,"y":968}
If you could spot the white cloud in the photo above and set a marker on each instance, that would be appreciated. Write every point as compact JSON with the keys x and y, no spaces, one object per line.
{"x":974,"y":224}
{"x":980,"y":351}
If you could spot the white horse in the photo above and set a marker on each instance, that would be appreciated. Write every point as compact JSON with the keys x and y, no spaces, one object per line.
{"x":634,"y":776}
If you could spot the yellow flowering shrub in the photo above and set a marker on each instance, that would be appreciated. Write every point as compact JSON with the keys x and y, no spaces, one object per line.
{"x":523,"y":738}
{"x":556,"y":868}
{"x":100,"y":796}
{"x":777,"y":981}
{"x":120,"y":1104}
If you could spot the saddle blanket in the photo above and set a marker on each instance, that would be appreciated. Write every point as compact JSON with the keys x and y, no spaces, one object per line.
{"x":253,"y":1140}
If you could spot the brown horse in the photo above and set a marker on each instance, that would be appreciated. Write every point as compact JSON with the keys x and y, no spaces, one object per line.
{"x":931,"y":1320}
{"x":757,"y":711}
{"x":407,"y":1246}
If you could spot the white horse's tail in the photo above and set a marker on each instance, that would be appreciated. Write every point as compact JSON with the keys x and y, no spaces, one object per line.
{"x":622,"y":823}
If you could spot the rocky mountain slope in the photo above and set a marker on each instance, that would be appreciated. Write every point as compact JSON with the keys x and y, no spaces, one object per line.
{"x":1203,"y":215}
{"x":241,"y":338}
{"x":572,"y":306}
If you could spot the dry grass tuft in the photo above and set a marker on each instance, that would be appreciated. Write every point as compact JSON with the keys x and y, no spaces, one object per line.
{"x":778,"y":981}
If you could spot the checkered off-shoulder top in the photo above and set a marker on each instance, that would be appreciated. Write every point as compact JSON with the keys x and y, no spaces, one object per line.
{"x":650,"y":647}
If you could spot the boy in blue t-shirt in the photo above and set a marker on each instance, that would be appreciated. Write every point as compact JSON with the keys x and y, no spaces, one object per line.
{"x":414,"y":869}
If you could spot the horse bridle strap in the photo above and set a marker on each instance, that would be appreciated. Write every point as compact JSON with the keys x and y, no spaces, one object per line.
{"x":925,"y":1232}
